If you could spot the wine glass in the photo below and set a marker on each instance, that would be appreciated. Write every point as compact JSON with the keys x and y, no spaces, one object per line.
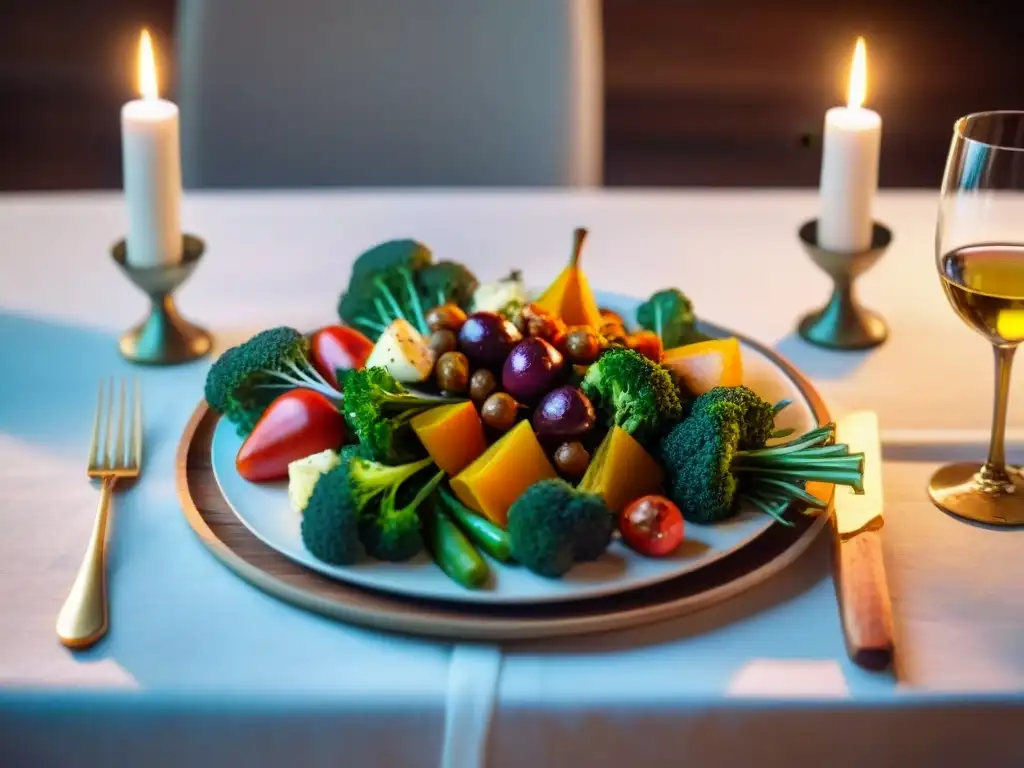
{"x":979,"y":248}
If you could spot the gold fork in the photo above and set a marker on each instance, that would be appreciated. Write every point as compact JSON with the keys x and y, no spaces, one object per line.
{"x":82,"y":620}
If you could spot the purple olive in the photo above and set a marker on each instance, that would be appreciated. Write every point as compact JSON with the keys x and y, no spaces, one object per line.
{"x":486,"y":338}
{"x":531,"y":369}
{"x":565,"y":413}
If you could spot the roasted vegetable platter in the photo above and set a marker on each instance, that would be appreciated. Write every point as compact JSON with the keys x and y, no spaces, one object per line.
{"x":476,"y":441}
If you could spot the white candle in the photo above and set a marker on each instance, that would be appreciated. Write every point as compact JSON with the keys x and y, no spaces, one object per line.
{"x":849,"y":167}
{"x":152,"y":170}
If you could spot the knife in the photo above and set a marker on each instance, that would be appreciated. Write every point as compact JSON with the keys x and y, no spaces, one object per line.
{"x":861,"y":587}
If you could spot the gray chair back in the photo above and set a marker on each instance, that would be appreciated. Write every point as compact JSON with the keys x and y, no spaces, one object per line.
{"x":305,"y":93}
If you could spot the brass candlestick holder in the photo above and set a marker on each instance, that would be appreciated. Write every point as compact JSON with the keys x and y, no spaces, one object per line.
{"x":164,"y":337}
{"x":842,"y":323}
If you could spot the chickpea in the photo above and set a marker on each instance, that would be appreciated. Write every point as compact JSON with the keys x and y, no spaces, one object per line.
{"x":499,"y":411}
{"x":572,"y":459}
{"x":441,"y":341}
{"x":447,"y":316}
{"x":582,"y":345}
{"x":482,"y":385}
{"x":452,"y":372}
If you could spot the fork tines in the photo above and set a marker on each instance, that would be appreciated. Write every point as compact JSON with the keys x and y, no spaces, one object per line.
{"x":114,"y":449}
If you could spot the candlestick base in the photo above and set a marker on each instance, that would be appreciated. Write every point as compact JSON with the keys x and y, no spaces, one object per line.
{"x":842,"y":324}
{"x":164,"y":337}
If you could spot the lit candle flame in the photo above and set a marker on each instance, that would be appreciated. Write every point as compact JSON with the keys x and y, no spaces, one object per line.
{"x":858,"y":76}
{"x":147,"y":67}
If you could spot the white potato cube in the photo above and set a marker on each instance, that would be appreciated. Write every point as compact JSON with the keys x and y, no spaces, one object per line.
{"x":303,"y":474}
{"x":404,"y":352}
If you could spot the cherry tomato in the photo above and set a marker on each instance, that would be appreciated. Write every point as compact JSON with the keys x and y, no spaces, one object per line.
{"x":652,"y":525}
{"x":297,"y":424}
{"x":338,"y":347}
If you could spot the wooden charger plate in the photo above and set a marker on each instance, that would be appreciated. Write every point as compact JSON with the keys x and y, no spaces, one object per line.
{"x":230,"y":541}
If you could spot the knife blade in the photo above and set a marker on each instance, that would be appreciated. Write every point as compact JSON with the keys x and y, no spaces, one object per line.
{"x":861,"y":585}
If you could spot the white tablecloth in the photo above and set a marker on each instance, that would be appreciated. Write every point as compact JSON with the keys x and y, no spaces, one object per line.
{"x":201,"y":669}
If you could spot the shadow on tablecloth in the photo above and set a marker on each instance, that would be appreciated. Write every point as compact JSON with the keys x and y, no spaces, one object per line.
{"x":818,"y":363}
{"x":48,"y":397}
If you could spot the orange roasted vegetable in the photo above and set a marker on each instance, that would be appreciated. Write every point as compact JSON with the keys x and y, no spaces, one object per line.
{"x":570,"y":297}
{"x":621,"y":471}
{"x":452,"y":434}
{"x":706,"y":364}
{"x":498,"y":477}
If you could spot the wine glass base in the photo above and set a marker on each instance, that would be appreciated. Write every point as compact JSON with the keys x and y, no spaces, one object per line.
{"x":956,"y":489}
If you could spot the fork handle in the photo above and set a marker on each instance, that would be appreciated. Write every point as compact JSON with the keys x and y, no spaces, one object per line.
{"x":82,"y":620}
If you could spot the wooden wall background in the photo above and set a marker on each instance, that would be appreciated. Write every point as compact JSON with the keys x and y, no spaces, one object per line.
{"x":698,"y":92}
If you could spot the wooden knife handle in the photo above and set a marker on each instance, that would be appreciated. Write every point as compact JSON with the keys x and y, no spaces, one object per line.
{"x":864,"y":600}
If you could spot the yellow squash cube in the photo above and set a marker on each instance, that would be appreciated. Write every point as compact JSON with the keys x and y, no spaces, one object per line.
{"x":621,"y":471}
{"x":706,"y":364}
{"x":452,"y":434}
{"x":492,"y":483}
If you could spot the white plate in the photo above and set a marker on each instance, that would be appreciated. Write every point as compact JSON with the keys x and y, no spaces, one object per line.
{"x":264,"y":510}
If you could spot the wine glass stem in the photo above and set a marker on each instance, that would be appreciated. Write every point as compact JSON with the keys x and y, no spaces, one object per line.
{"x":994,"y":470}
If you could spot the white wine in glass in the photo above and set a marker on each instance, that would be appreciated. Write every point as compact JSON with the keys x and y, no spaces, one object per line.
{"x":979,"y":247}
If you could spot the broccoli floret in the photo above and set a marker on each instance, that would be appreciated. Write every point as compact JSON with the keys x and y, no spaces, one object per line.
{"x":446,"y":282}
{"x":552,"y":526}
{"x":393,"y":253}
{"x":669,"y":313}
{"x":392,"y":532}
{"x":244,"y":408}
{"x":342,"y":497}
{"x":401,"y":295}
{"x":329,"y":520}
{"x":397,"y":280}
{"x":382,"y":287}
{"x":698,"y":456}
{"x":708,"y":472}
{"x":757,"y":422}
{"x":378,"y":410}
{"x":245,"y":379}
{"x":633,"y":392}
